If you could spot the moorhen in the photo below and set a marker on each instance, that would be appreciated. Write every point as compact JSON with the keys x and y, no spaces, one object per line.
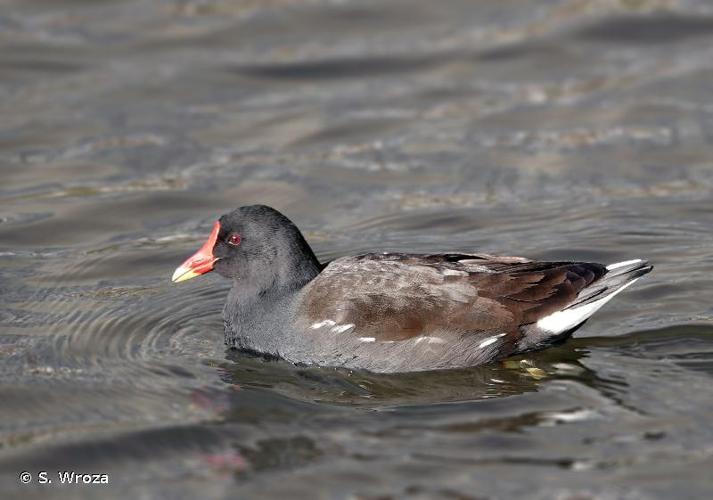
{"x":392,"y":312}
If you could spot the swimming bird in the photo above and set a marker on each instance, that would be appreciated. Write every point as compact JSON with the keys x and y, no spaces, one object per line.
{"x":392,"y":312}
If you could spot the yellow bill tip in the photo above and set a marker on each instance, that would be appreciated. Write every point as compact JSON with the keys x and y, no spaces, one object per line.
{"x":182,"y":274}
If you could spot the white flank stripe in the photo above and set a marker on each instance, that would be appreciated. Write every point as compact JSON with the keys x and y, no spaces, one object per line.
{"x":343,"y":328}
{"x":367,"y":339}
{"x":430,"y":340}
{"x":453,"y":272}
{"x":617,"y":265}
{"x":562,"y":321}
{"x":326,"y":322}
{"x":490,"y":340}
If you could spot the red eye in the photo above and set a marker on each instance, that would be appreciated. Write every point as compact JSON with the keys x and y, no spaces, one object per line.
{"x":234,"y":239}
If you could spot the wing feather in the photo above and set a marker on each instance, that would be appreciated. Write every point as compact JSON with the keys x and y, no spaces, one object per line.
{"x":393,"y":297}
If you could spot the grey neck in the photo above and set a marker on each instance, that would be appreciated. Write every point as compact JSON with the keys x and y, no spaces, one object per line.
{"x":257,"y":315}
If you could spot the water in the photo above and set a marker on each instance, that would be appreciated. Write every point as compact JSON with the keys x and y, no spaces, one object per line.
{"x":561,"y":130}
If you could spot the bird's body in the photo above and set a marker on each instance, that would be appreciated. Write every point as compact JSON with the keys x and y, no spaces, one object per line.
{"x":395,"y":312}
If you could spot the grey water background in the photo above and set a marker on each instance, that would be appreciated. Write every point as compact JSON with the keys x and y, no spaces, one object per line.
{"x":568,"y":129}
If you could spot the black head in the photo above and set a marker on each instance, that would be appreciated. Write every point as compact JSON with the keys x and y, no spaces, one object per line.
{"x":257,"y":246}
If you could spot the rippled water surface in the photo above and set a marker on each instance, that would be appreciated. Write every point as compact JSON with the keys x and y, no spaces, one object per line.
{"x":567,"y":129}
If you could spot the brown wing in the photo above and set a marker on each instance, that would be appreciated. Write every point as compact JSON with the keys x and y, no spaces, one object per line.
{"x":393,"y":297}
{"x":534,"y":290}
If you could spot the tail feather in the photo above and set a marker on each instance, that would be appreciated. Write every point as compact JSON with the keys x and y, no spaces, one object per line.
{"x":619,"y":276}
